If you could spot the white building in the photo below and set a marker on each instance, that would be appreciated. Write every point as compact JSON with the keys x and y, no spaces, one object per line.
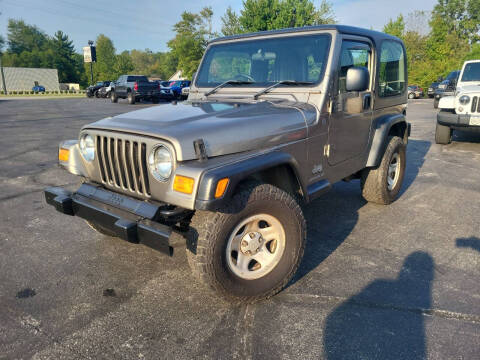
{"x":22,"y":79}
{"x":177,"y":76}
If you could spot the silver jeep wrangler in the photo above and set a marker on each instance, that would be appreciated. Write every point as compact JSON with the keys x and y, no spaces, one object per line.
{"x":272,"y":120}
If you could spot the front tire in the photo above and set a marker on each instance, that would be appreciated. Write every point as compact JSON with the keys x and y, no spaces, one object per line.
{"x":443,"y":134}
{"x":435,"y":103}
{"x":411,"y":96}
{"x":250,"y":249}
{"x":382,"y":185}
{"x":113,"y":97}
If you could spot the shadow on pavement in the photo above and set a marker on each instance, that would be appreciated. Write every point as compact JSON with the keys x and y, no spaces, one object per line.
{"x":416,"y":152}
{"x":471,"y":242}
{"x":332,"y":217}
{"x":385,"y":320}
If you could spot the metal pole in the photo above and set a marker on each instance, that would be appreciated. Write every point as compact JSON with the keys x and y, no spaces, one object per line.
{"x":3,"y":77}
{"x":91,"y":72}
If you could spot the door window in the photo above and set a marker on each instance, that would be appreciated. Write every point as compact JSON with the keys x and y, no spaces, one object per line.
{"x":353,"y":53}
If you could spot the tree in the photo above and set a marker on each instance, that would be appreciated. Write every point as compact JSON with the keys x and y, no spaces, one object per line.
{"x":123,"y":64}
{"x":261,"y":15}
{"x":231,"y":23}
{"x":192,"y":35}
{"x":104,"y":68}
{"x":23,"y":37}
{"x":395,"y":27}
{"x":63,"y":57}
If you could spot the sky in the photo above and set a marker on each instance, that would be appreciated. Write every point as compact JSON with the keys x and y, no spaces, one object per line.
{"x":147,"y":24}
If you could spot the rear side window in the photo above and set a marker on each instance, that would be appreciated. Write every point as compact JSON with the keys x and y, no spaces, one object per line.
{"x":392,"y":69}
{"x":137,"y":78}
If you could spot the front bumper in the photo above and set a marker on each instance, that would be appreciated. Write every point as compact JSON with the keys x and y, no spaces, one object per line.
{"x":456,"y":120}
{"x":130,"y":219}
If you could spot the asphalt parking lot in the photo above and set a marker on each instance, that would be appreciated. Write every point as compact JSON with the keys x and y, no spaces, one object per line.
{"x":395,"y":282}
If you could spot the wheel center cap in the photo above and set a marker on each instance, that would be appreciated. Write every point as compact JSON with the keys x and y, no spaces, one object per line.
{"x":251,"y":243}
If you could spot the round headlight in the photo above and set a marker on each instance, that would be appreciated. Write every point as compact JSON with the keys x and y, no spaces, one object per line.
{"x":87,"y":147}
{"x":160,"y":163}
{"x":464,"y":100}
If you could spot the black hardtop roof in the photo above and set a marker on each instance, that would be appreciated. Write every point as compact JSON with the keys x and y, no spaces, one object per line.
{"x":343,"y":29}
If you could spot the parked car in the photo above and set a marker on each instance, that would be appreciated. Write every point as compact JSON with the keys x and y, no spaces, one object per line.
{"x":135,"y":88}
{"x":38,"y":88}
{"x":177,"y":86}
{"x":446,"y":87}
{"x":431,"y":89}
{"x":92,"y":90}
{"x":225,"y":173}
{"x":415,"y":92}
{"x":165,"y":90}
{"x":185,"y":92}
{"x":105,"y":91}
{"x":460,"y":111}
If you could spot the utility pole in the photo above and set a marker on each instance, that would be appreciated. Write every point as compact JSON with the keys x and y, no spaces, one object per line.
{"x":3,"y":76}
{"x":90,"y":43}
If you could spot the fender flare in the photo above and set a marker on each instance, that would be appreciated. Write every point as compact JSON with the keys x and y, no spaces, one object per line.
{"x":236,"y":172}
{"x":380,"y":136}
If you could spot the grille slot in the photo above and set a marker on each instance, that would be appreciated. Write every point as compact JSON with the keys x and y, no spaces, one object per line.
{"x":123,"y":164}
{"x":474,"y":105}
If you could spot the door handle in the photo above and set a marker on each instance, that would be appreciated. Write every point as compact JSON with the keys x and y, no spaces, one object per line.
{"x":367,"y":100}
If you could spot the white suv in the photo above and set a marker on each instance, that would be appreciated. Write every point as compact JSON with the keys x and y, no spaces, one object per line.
{"x":461,"y":111}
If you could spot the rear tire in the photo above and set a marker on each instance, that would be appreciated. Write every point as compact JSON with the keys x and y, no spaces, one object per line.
{"x":382,"y":185}
{"x":435,"y":103}
{"x":214,"y":236}
{"x":131,"y":98}
{"x":443,"y":134}
{"x":155,"y":100}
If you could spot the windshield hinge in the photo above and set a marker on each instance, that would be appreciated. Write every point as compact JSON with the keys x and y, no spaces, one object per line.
{"x":326,"y":150}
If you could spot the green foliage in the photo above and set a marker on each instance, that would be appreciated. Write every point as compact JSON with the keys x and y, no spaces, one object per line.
{"x":192,"y":35}
{"x":261,"y":15}
{"x":123,"y":65}
{"x":395,"y":27}
{"x":104,"y":68}
{"x":453,"y":36}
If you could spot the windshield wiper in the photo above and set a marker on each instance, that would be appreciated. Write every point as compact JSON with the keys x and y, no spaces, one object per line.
{"x":228,"y":82}
{"x":282,"y":82}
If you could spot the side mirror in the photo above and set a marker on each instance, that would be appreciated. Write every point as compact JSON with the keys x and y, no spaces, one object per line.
{"x":358,"y":79}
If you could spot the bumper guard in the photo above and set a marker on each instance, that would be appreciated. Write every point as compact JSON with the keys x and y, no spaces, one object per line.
{"x":130,"y":219}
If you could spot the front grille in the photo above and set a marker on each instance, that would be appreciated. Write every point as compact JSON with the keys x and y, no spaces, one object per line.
{"x":475,"y":104}
{"x":123,"y":164}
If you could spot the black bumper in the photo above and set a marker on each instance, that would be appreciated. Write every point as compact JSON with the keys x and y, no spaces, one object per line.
{"x":456,"y":120}
{"x":130,"y":219}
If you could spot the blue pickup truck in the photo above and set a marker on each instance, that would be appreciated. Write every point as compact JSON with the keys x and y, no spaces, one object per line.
{"x":177,"y":86}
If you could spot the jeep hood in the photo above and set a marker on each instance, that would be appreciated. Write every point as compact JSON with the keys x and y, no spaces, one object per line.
{"x":225,"y":127}
{"x":472,"y":87}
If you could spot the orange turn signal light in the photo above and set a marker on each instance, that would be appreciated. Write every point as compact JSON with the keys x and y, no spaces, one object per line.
{"x":183,"y":184}
{"x":63,"y":154}
{"x":221,"y":187}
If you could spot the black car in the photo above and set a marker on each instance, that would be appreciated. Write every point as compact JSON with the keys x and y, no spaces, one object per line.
{"x":92,"y":90}
{"x":446,"y":87}
{"x":431,"y":89}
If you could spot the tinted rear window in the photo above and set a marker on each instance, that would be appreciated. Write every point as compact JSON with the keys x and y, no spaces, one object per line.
{"x":137,"y":78}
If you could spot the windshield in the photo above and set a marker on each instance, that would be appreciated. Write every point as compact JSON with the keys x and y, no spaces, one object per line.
{"x":266,"y":61}
{"x":471,"y":72}
{"x":453,"y":75}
